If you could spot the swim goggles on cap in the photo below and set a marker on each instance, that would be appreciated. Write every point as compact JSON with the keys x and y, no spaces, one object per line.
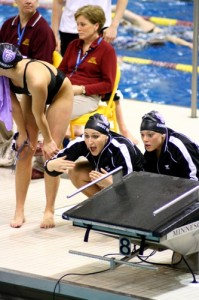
{"x":154,"y":116}
{"x":149,"y":116}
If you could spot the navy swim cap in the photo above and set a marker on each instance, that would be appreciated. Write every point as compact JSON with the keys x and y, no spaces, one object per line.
{"x":9,"y":56}
{"x":99,"y":123}
{"x":153,"y":121}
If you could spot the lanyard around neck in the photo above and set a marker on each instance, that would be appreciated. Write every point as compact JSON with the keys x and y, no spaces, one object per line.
{"x":80,"y":60}
{"x":20,"y":33}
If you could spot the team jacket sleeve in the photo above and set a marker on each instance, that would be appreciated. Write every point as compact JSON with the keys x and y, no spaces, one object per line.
{"x":54,"y":173}
{"x":187,"y":164}
{"x":123,"y":158}
{"x":186,"y":156}
{"x":73,"y":151}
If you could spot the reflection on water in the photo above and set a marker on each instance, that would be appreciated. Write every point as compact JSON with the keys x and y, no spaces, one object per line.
{"x":147,"y":82}
{"x":159,"y":84}
{"x":155,"y":84}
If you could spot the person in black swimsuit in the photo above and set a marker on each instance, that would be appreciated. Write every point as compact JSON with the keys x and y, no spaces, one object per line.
{"x":53,"y":87}
{"x":42,"y":84}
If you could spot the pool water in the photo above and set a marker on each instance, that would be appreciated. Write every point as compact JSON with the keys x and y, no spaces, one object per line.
{"x":174,"y":9}
{"x":147,"y":82}
{"x":153,"y":84}
{"x":159,"y":84}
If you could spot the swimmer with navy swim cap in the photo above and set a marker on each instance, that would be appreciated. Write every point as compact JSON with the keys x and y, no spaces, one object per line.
{"x":103,"y":150}
{"x":153,"y":121}
{"x":9,"y":56}
{"x":99,"y":123}
{"x":167,"y":151}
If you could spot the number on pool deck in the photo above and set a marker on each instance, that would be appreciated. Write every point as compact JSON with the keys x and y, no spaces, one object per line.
{"x":125,"y":246}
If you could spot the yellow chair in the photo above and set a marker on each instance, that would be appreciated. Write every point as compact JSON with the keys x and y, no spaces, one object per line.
{"x":107,"y":109}
{"x":57,"y":58}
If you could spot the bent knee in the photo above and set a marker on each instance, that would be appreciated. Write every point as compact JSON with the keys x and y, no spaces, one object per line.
{"x":79,"y":175}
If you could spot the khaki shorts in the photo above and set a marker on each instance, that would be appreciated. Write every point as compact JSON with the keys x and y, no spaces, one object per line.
{"x":84,"y":104}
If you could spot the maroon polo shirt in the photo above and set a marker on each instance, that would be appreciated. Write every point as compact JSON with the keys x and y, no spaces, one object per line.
{"x":37,"y":40}
{"x":96,"y":71}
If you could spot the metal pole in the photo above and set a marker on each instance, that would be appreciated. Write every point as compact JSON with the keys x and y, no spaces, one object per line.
{"x":194,"y":87}
{"x":157,"y":211}
{"x":117,"y":178}
{"x":113,"y":261}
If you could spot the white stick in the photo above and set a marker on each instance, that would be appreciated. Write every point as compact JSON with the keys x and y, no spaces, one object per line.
{"x":94,"y":181}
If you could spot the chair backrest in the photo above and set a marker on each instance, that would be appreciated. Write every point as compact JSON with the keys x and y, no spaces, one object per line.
{"x":57,"y":58}
{"x":108,"y":110}
{"x":110,"y":101}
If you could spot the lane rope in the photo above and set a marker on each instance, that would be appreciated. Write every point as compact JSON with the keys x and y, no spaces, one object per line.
{"x":168,"y":22}
{"x":142,"y":61}
{"x":156,"y":20}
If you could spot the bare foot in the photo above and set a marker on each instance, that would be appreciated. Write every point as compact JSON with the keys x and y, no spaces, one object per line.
{"x":48,"y":220}
{"x":18,"y":220}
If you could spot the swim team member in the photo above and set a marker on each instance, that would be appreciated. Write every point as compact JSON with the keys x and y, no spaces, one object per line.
{"x":168,"y":152}
{"x":103,"y":150}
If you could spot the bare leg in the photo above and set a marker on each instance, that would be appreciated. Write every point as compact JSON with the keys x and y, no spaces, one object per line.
{"x":58,"y":116}
{"x":121,"y":123}
{"x":23,"y":175}
{"x":51,"y":188}
{"x":24,"y":165}
{"x":80,"y":177}
{"x":22,"y":181}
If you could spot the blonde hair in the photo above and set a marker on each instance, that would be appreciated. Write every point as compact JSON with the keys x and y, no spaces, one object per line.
{"x":93,"y":13}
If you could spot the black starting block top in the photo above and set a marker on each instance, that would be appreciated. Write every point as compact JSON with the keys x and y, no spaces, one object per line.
{"x":130,"y":204}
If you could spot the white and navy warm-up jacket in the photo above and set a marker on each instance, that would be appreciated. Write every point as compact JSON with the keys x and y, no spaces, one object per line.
{"x":179,"y":157}
{"x":119,"y":151}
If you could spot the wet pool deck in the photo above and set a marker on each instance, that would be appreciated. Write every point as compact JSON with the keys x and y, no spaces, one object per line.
{"x":32,"y":259}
